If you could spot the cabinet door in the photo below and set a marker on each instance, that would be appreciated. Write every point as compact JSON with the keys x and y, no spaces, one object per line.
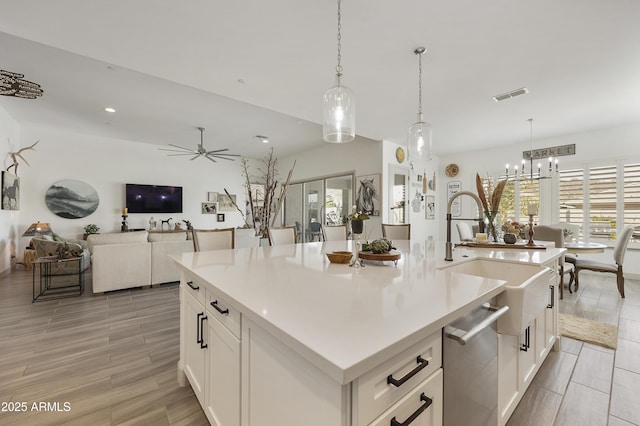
{"x":223,"y":379}
{"x":528,"y":355}
{"x":508,"y":376}
{"x":194,"y":317}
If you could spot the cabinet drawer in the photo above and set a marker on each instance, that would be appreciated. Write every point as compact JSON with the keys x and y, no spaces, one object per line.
{"x":421,"y":407}
{"x":221,"y":310}
{"x":374,"y":392}
{"x":194,"y":288}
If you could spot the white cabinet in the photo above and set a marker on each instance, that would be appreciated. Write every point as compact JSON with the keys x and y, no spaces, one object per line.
{"x":222,"y":393}
{"x":194,"y":359}
{"x":420,"y":407}
{"x":210,"y":352}
{"x":383,"y":386}
{"x":520,"y":357}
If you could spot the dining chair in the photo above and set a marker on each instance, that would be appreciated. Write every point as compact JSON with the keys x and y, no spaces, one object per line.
{"x":396,"y":232}
{"x":464,"y":231}
{"x":556,"y":235}
{"x":281,"y":236}
{"x":619,"y":251}
{"x":213,"y":239}
{"x":335,"y":233}
{"x":315,"y":230}
{"x":572,"y":232}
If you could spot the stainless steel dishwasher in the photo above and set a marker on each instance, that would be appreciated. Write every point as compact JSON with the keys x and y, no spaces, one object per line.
{"x":470,"y":367}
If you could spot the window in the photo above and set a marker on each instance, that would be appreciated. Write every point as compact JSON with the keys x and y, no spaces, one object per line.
{"x":598,"y":198}
{"x":312,"y":204}
{"x":571,"y":198}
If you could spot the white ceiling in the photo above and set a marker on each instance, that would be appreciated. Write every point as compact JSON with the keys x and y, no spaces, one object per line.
{"x":248,"y":67}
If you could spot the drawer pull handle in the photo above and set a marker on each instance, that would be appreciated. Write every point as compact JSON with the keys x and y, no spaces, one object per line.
{"x":193,"y":287}
{"x":422,"y":363}
{"x":552,"y":288}
{"x":219,"y":309}
{"x":427,"y":403}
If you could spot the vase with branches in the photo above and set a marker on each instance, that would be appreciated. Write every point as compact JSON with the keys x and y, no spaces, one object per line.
{"x":265,"y":194}
{"x":491,"y":204}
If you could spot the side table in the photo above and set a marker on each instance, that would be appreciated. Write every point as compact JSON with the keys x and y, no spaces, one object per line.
{"x":28,"y":257}
{"x":53,"y":286}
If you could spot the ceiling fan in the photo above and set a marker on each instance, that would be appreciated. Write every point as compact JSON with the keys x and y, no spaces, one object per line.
{"x":200,"y":150}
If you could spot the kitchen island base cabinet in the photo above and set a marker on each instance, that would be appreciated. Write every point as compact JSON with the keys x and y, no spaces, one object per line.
{"x":520,"y":357}
{"x":194,"y":358}
{"x":280,"y":387}
{"x":210,"y":358}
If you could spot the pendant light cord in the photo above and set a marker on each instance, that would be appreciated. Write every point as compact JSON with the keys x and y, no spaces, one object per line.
{"x":419,"y":51}
{"x":420,"y":82}
{"x":339,"y":66}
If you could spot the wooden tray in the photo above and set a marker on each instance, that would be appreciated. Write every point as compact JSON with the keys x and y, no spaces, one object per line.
{"x":520,"y":246}
{"x":368,"y":255}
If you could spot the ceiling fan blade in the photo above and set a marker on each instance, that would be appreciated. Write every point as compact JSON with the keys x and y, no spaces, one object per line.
{"x":209,"y":158}
{"x":219,"y":156}
{"x":219,"y":152}
{"x":196,"y":157}
{"x":177,"y":150}
{"x":181,"y":147}
{"x":179,"y":155}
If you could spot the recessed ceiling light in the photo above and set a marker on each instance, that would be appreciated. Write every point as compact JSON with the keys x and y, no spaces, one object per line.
{"x":109,"y":109}
{"x":263,"y":139}
{"x":511,"y":94}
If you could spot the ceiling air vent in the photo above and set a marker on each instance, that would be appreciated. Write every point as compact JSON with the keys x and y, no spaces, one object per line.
{"x":511,"y":94}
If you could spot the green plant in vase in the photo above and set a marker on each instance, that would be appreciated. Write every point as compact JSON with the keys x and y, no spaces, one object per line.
{"x":491,"y":204}
{"x":357,"y":221}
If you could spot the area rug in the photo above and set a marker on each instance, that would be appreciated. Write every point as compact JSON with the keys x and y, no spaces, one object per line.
{"x":588,"y":331}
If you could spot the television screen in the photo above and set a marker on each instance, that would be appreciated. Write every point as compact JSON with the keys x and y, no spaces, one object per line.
{"x":153,"y":198}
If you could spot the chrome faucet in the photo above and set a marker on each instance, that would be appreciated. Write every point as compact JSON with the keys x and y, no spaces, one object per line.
{"x":449,"y":246}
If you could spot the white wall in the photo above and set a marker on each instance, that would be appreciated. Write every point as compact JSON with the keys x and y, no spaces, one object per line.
{"x":107,"y":164}
{"x":9,"y":130}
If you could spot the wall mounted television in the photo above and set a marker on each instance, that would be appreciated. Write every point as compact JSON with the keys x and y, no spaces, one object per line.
{"x":153,"y":198}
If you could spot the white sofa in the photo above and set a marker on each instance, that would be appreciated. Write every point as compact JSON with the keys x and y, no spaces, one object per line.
{"x":135,"y":259}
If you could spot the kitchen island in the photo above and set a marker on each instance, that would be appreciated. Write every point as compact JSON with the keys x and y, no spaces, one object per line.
{"x":279,"y":334}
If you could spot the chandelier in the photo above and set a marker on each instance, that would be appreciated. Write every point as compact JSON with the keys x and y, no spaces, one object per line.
{"x":534,"y":172}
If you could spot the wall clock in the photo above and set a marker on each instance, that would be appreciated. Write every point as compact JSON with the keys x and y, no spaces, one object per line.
{"x":400,"y":154}
{"x":451,"y":170}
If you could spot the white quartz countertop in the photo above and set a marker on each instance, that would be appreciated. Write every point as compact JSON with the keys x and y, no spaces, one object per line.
{"x":347,"y":320}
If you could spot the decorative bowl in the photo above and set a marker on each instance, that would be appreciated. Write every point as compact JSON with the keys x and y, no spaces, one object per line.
{"x":340,"y":256}
{"x":510,"y":238}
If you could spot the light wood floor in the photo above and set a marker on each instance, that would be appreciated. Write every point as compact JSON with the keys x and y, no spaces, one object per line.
{"x":113,"y":358}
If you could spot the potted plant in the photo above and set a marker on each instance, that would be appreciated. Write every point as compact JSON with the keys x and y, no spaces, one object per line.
{"x":90,"y":229}
{"x":265,"y":195}
{"x":357,"y":221}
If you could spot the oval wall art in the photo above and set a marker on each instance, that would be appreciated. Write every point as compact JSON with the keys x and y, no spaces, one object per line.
{"x":71,"y":199}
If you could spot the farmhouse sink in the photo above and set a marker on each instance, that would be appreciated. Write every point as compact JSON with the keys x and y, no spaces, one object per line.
{"x":526,"y":292}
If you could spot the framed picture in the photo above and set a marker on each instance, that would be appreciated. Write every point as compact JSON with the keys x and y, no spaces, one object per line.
{"x":220,"y":217}
{"x":452,"y":188}
{"x":10,"y":191}
{"x":212,"y":197}
{"x":71,"y":199}
{"x":368,"y":194}
{"x":209,"y":208}
{"x":226,"y":204}
{"x":430,"y":211}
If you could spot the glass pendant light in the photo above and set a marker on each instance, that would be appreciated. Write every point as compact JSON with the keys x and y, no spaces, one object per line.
{"x":419,"y":138}
{"x":339,"y":125}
